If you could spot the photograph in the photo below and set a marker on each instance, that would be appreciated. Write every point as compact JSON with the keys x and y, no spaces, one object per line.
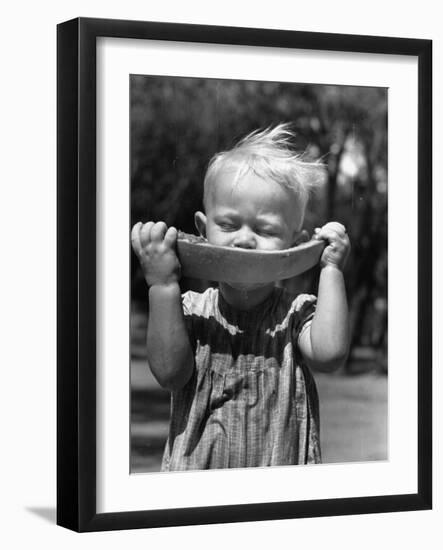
{"x":241,"y":204}
{"x":259,"y":273}
{"x":221,"y":257}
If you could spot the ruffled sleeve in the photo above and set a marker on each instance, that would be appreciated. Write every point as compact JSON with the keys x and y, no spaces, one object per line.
{"x":188,"y":303}
{"x":304,"y":309}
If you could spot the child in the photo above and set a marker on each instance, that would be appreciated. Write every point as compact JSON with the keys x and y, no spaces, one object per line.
{"x":237,"y":358}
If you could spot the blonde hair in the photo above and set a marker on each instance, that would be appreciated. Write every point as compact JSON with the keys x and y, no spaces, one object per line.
{"x":270,"y":155}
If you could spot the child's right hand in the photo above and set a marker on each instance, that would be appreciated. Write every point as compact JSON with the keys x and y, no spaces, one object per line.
{"x":154,"y":245}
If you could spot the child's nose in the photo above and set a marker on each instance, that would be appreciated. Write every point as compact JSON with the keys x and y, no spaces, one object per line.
{"x":244,"y":238}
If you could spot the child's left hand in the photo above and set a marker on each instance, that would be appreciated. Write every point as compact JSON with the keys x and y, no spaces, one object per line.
{"x":338,"y":247}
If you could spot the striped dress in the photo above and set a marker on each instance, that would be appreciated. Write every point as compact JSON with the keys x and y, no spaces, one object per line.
{"x":251,"y":400}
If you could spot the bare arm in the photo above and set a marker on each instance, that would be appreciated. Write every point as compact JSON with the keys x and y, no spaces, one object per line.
{"x":169,"y":351}
{"x":325,"y":343}
{"x":170,"y":354}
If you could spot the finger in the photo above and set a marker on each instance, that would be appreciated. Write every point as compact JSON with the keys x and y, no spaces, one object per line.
{"x":170,"y":236}
{"x":337,"y":227}
{"x":331,"y":233}
{"x":337,"y":246}
{"x":135,"y":238}
{"x":145,"y":233}
{"x":158,"y":232}
{"x":325,"y":234}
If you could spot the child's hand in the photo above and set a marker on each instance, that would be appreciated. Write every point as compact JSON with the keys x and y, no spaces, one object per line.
{"x":338,"y":248}
{"x":154,"y":245}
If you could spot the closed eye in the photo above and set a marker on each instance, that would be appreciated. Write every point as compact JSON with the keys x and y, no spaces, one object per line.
{"x":269,"y":231}
{"x":227,"y":225}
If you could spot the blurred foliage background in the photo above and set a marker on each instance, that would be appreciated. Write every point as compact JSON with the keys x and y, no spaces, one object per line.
{"x":178,"y":124}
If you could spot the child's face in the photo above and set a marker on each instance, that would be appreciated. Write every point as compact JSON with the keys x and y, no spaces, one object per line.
{"x":250,"y":213}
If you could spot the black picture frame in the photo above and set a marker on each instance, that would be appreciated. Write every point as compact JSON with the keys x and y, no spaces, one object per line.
{"x":76,"y":273}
